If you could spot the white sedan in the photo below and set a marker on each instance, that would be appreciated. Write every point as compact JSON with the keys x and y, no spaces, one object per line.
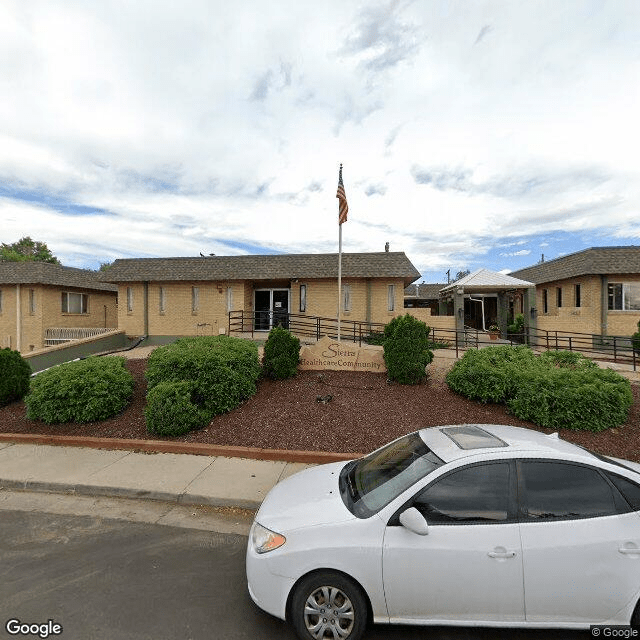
{"x":470,"y":524}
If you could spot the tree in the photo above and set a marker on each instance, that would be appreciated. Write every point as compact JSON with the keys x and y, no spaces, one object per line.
{"x":461,"y":274}
{"x":27,"y":250}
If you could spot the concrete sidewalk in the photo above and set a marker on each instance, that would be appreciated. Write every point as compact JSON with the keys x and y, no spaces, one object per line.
{"x":180,"y":478}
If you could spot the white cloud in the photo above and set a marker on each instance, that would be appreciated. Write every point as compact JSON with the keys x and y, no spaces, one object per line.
{"x":220,"y":127}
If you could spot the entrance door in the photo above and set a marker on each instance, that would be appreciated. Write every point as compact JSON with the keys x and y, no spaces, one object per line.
{"x":271,"y":309}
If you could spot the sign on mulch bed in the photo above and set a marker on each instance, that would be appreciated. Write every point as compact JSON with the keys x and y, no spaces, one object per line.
{"x":328,"y":353}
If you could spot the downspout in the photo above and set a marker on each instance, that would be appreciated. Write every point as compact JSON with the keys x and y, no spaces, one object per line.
{"x":604,"y":305}
{"x":18,"y":320}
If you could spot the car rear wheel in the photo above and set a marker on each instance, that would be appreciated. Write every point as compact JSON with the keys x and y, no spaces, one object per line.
{"x":328,"y":605}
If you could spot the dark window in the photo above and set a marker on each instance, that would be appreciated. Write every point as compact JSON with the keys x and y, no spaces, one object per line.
{"x":555,"y":490}
{"x":624,"y":296}
{"x":545,"y":301}
{"x":559,"y":296}
{"x":630,"y":490}
{"x":578,"y":296}
{"x":476,"y":494}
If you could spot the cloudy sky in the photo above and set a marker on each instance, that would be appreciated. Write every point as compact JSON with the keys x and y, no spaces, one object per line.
{"x":473,"y":133}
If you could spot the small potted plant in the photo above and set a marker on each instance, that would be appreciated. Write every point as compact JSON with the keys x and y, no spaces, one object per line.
{"x":494,"y":331}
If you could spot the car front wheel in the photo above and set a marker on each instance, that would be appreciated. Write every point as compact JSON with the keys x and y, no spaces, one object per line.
{"x":328,"y":605}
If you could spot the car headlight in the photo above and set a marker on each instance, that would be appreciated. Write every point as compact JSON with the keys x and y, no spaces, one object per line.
{"x":265,"y":540}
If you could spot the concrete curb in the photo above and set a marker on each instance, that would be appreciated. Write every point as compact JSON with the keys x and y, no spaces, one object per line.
{"x":193,"y":448}
{"x":119,"y":492}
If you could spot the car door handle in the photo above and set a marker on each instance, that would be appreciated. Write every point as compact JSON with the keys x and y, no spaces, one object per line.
{"x":501,"y":553}
{"x":629,"y":551}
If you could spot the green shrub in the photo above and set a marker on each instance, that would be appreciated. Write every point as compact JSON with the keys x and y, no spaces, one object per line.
{"x":375,"y":338}
{"x":559,"y":390}
{"x":222,"y":371}
{"x":406,"y":349}
{"x":281,"y":354}
{"x":490,"y":374}
{"x":14,"y":381}
{"x":172,"y":409}
{"x":83,"y":391}
{"x":518,"y":324}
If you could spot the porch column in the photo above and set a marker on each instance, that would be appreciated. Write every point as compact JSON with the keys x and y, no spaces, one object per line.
{"x":458,"y":308}
{"x":503,"y":312}
{"x":529,"y":310}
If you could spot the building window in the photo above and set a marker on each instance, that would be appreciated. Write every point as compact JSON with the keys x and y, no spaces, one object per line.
{"x":195,"y":299}
{"x":74,"y":302}
{"x":162,"y":300}
{"x":624,"y":296}
{"x":32,"y":301}
{"x":346,"y":297}
{"x":129,"y":299}
{"x":229,"y":299}
{"x":0,"y":300}
{"x":303,"y":298}
{"x":578,"y":293}
{"x":391,"y":297}
{"x":545,"y":301}
{"x":559,"y":296}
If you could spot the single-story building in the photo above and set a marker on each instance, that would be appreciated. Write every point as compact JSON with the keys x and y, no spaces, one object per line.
{"x":40,"y":302}
{"x":167,"y":297}
{"x":594,"y":291}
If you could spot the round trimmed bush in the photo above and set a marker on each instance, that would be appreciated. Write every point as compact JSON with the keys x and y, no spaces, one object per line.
{"x":171,"y":410}
{"x":83,"y":391}
{"x":16,"y":373}
{"x":406,"y":353}
{"x":221,"y":370}
{"x":281,"y":354}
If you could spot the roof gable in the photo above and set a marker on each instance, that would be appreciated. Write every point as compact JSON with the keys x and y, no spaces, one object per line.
{"x":485,"y":279}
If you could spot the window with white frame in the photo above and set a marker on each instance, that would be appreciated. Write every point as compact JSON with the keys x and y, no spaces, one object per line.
{"x":162,"y":299}
{"x":195,"y":299}
{"x":624,"y":296}
{"x":74,"y":302}
{"x":303,"y":298}
{"x":346,"y":297}
{"x":129,"y":299}
{"x":229,"y":299}
{"x":391,"y":297}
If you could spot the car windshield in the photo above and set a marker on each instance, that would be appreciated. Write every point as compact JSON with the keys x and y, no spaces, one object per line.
{"x":370,"y":483}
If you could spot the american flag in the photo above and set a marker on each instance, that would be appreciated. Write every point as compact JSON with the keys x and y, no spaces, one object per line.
{"x":343,"y":208}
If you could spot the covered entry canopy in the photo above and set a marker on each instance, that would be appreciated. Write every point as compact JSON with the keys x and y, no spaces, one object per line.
{"x":480,"y":299}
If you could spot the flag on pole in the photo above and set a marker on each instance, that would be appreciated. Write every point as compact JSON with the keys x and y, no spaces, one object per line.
{"x":343,"y":208}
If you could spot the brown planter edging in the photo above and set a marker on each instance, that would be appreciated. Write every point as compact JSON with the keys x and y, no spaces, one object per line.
{"x":193,"y":448}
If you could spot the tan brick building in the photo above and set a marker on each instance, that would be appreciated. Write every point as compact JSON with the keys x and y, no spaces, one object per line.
{"x":595,"y":291}
{"x":166,"y":297}
{"x":37,"y":297}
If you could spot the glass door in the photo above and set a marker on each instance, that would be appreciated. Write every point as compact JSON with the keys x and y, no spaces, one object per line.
{"x":271,"y":308}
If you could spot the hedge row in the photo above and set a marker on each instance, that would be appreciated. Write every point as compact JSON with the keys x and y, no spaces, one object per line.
{"x":559,"y":390}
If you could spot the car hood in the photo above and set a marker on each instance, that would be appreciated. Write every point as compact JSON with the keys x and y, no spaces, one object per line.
{"x":305,"y":499}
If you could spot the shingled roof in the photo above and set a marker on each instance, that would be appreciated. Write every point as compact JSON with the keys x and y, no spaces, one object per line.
{"x":51,"y":274}
{"x":593,"y":261}
{"x":266,"y":267}
{"x":424,"y":291}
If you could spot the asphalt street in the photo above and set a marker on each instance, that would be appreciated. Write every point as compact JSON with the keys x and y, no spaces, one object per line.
{"x":110,"y":579}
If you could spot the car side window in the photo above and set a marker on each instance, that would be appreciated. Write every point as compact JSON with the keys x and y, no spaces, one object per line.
{"x":558,"y":490}
{"x":474,"y":494}
{"x":630,"y":490}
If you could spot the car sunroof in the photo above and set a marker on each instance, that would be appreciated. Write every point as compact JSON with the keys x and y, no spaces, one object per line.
{"x":472,"y":437}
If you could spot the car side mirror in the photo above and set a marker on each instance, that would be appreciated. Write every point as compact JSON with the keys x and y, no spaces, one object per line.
{"x":413,"y":520}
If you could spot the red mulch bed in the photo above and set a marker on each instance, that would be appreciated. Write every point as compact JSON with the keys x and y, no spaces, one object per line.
{"x":364,"y":412}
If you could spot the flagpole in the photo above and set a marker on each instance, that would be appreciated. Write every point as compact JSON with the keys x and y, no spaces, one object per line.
{"x":343,"y":209}
{"x":339,"y":274}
